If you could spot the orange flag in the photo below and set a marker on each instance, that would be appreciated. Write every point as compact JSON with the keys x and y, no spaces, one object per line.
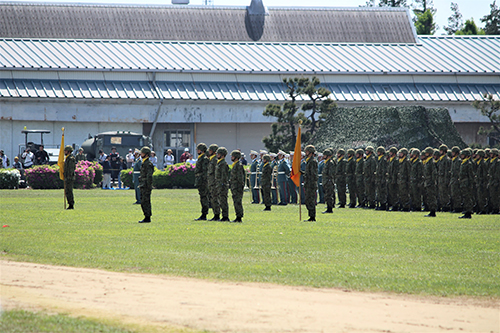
{"x":297,"y":155}
{"x":60,"y":160}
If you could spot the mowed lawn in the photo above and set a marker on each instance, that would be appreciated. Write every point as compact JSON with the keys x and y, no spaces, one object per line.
{"x":351,"y":248}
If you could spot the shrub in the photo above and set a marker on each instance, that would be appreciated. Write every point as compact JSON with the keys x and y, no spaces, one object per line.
{"x":84,"y":175}
{"x":97,"y":173}
{"x":44,"y":177}
{"x":126,"y":177}
{"x":9,"y":178}
{"x":182,"y":175}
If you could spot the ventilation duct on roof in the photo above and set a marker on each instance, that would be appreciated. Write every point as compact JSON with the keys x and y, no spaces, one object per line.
{"x":180,"y":2}
{"x":257,"y":8}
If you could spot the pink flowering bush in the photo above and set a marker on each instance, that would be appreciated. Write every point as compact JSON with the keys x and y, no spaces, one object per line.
{"x":84,"y":175}
{"x":126,"y":177}
{"x":44,"y":177}
{"x":179,"y":175}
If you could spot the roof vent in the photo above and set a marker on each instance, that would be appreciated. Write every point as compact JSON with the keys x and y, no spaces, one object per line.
{"x":180,"y":2}
{"x":257,"y":8}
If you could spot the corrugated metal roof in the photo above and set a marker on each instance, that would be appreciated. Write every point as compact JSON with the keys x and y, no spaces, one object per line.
{"x":354,"y":92}
{"x":478,"y":54}
{"x":205,"y":23}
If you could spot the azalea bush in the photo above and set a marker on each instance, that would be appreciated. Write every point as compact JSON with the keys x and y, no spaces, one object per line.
{"x":44,"y":177}
{"x":180,"y":175}
{"x":126,"y":177}
{"x":9,"y":178}
{"x":85,"y":174}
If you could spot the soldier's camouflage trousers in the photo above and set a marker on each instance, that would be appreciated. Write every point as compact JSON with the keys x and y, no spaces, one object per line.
{"x":360,"y":191}
{"x":392,"y":194}
{"x":444,"y":195}
{"x":203,"y":192}
{"x":351,"y":184}
{"x":431,"y":197}
{"x":329,"y":189}
{"x":146,"y":202}
{"x":341,"y":192}
{"x":416,"y":196}
{"x":69,"y":192}
{"x":382,"y":193}
{"x":238,"y":202}
{"x":266,"y":195}
{"x":310,"y":201}
{"x":404,"y":196}
{"x":221,"y":198}
{"x":213,"y":199}
{"x":456,"y":197}
{"x":370,"y":193}
{"x":467,"y":198}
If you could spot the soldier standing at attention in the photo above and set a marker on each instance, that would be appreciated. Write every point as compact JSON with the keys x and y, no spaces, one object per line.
{"x":310,"y":182}
{"x":381,"y":179}
{"x":266,"y":178}
{"x":360,"y":181}
{"x":302,"y":171}
{"x":456,"y":199}
{"x":135,"y":176}
{"x":283,"y":174}
{"x":494,"y":181}
{"x":253,"y":177}
{"x":259,"y":169}
{"x":370,"y":168}
{"x":222,"y":183}
{"x":211,"y":181}
{"x":340,"y":177}
{"x":392,"y":179}
{"x":444,"y":168}
{"x":80,"y":156}
{"x":146,"y":184}
{"x":237,"y":184}
{"x":430,"y":178}
{"x":274,"y":183}
{"x":200,"y":179}
{"x":481,"y":182}
{"x":69,"y":175}
{"x":321,"y":164}
{"x":404,"y":180}
{"x":416,"y":176}
{"x":328,"y":181}
{"x":466,"y":178}
{"x":351,"y":178}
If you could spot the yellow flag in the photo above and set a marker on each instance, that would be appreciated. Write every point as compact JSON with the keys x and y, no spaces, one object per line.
{"x":60,"y":160}
{"x":297,"y":155}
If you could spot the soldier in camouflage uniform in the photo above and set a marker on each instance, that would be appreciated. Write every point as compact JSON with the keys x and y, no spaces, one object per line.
{"x":321,"y":165}
{"x":212,"y":152}
{"x":360,"y":180}
{"x":381,"y":179}
{"x":341,"y":177}
{"x":146,"y":184}
{"x":456,"y":198}
{"x":392,"y":179}
{"x":222,"y":183}
{"x":69,"y":176}
{"x":266,"y":178}
{"x":369,"y":171}
{"x":430,"y":179}
{"x":237,"y":182}
{"x":481,"y":182}
{"x":416,"y":178}
{"x":200,"y":179}
{"x":466,"y":179}
{"x":274,"y":183}
{"x":494,"y":181}
{"x":311,"y":182}
{"x":404,"y":180}
{"x":351,"y":177}
{"x":328,"y":180}
{"x":443,"y":169}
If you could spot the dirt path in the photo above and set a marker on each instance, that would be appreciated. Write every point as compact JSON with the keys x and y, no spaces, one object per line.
{"x":236,"y":307}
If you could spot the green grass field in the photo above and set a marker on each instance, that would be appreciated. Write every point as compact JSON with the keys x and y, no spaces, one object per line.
{"x":351,"y":248}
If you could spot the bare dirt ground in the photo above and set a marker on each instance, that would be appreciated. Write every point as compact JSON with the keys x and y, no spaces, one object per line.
{"x":235,"y":307}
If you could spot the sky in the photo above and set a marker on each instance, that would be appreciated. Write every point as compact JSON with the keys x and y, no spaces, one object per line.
{"x":475,"y":9}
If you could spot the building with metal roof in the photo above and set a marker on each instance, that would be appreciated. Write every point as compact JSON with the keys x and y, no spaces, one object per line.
{"x":182,"y":91}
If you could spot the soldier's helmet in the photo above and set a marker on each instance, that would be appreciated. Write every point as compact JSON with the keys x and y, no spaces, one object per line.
{"x":341,"y":151}
{"x":68,"y":148}
{"x":213,"y":147}
{"x":480,"y":152}
{"x":370,"y":149}
{"x":327,"y":152}
{"x":222,"y":151}
{"x":381,"y":150}
{"x":266,"y":158}
{"x":443,"y":147}
{"x":436,"y":152}
{"x":350,"y":151}
{"x":465,"y":152}
{"x":310,"y":148}
{"x":236,"y":154}
{"x":429,"y":150}
{"x":403,"y":151}
{"x":455,"y":149}
{"x":494,"y":151}
{"x":415,"y":151}
{"x":393,"y":150}
{"x":146,"y":150}
{"x":202,"y":147}
{"x":487,"y":151}
{"x":360,"y":151}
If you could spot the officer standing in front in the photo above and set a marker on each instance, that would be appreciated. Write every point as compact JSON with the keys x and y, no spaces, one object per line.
{"x":146,"y":183}
{"x":266,"y":178}
{"x":310,"y":182}
{"x":69,"y":175}
{"x":237,"y":181}
{"x":283,"y":174}
{"x":201,"y":181}
{"x":135,"y":176}
{"x":222,"y":183}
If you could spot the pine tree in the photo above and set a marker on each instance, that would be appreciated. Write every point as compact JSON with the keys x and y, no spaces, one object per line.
{"x":492,"y":20}
{"x":470,"y":28}
{"x":424,"y":23}
{"x":489,"y":108}
{"x":392,"y":3}
{"x":455,"y":21}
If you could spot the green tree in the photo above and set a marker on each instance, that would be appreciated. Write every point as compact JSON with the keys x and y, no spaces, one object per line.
{"x":424,"y":23}
{"x":392,"y":3}
{"x":492,"y":20}
{"x":455,"y":21}
{"x":489,"y":108}
{"x":470,"y":28}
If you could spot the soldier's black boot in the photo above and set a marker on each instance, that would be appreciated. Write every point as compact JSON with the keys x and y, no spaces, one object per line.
{"x":203,"y":217}
{"x":147,"y":219}
{"x":465,"y":216}
{"x":267,"y":208}
{"x":395,"y":208}
{"x":352,"y":205}
{"x":70,"y":207}
{"x":432,"y":213}
{"x":237,"y":219}
{"x":215,"y":218}
{"x":224,"y":219}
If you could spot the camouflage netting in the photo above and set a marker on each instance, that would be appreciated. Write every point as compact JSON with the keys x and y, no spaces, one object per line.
{"x":408,"y":126}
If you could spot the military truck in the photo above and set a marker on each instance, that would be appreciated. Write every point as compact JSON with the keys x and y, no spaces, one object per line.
{"x":122,"y":140}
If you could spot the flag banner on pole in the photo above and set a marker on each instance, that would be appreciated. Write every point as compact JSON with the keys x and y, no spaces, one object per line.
{"x":60,"y":160}
{"x":297,"y":156}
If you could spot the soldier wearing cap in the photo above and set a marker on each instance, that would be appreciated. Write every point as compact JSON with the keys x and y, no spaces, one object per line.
{"x":430,"y":179}
{"x":200,"y":179}
{"x":416,"y":178}
{"x":146,"y":184}
{"x":392,"y":179}
{"x":456,"y":198}
{"x":481,"y":182}
{"x":237,"y":181}
{"x":403,"y":180}
{"x":351,"y":177}
{"x":69,"y":176}
{"x":369,"y":171}
{"x":310,"y":182}
{"x":360,"y":181}
{"x":381,"y":179}
{"x":222,"y":183}
{"x":253,"y":177}
{"x":341,"y":177}
{"x":329,"y":180}
{"x":135,"y":176}
{"x":274,"y":183}
{"x":443,"y":170}
{"x":494,"y":182}
{"x":321,"y":164}
{"x":283,"y":174}
{"x":212,"y":163}
{"x":80,"y":156}
{"x":266,"y":179}
{"x":466,"y":178}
